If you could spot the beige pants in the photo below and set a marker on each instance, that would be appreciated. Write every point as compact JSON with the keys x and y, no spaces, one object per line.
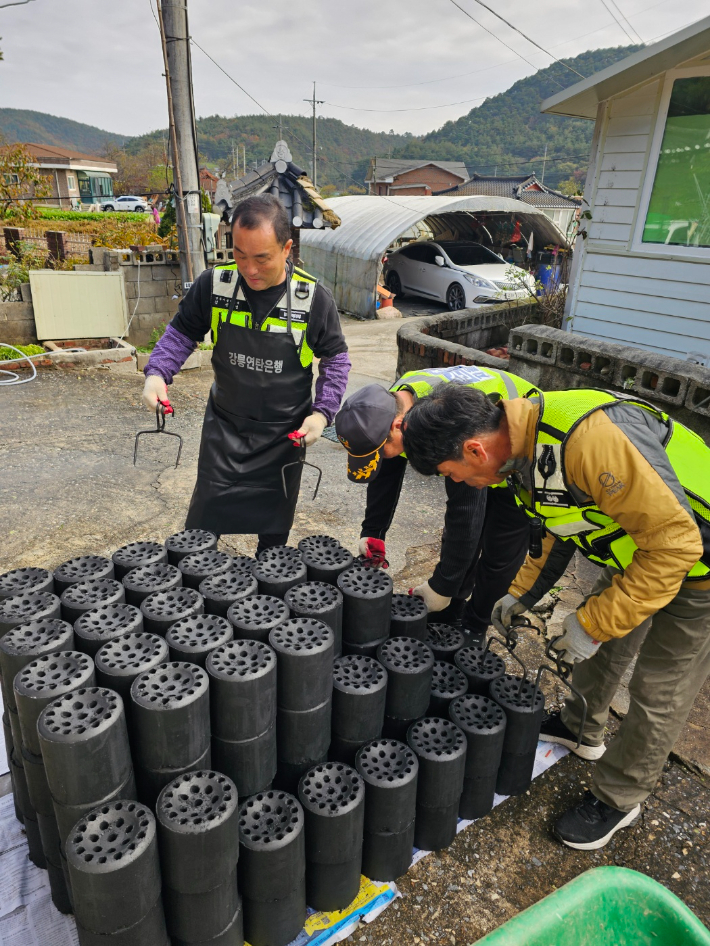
{"x":673,"y":662}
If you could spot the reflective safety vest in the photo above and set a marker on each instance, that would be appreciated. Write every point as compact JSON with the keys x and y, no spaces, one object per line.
{"x":568,"y":513}
{"x":489,"y":380}
{"x":302,"y":289}
{"x":498,"y":385}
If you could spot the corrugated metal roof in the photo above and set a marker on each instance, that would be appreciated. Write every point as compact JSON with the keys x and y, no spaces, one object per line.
{"x":370,"y":223}
{"x":347,"y":260}
{"x":581,"y":100}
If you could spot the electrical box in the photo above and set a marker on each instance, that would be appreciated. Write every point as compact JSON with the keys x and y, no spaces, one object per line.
{"x":210,"y":225}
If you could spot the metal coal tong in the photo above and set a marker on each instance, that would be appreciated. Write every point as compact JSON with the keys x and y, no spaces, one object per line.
{"x":162,"y":409}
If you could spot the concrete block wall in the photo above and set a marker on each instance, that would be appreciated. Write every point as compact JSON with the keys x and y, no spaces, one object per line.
{"x":152,"y":283}
{"x":555,"y":360}
{"x":459,"y":338}
{"x":17,"y":323}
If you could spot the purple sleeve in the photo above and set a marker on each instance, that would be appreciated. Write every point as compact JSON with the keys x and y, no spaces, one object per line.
{"x":330,"y":385}
{"x":169,"y":355}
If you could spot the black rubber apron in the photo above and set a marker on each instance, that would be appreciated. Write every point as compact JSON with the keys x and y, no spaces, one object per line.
{"x":261,"y":393}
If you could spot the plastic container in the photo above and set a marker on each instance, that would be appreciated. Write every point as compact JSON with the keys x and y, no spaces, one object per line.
{"x":605,"y":906}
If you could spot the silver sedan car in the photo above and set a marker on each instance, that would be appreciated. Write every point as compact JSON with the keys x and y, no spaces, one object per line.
{"x":461,"y":274}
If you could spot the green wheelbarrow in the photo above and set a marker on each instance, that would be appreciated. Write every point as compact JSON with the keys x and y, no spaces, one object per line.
{"x":606,"y":906}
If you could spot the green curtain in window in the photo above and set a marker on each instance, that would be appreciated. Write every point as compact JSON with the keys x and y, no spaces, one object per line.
{"x":679,"y":209}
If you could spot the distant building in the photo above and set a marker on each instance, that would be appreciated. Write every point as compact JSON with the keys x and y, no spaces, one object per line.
{"x":74,"y":177}
{"x":642,"y":275}
{"x":559,"y":208}
{"x":208,"y":182}
{"x":413,"y":176}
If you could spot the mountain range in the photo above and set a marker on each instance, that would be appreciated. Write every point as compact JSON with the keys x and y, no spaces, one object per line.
{"x":504,"y":135}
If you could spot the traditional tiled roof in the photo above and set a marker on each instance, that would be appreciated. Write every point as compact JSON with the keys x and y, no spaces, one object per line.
{"x":525,"y":188}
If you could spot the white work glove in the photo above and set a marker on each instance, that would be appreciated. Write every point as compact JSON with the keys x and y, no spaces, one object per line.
{"x":154,"y":389}
{"x":374,"y":551}
{"x":575,"y":642}
{"x":432,"y":600}
{"x":505,"y":609}
{"x":311,"y":428}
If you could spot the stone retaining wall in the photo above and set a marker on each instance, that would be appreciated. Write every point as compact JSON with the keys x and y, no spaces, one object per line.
{"x":555,"y":360}
{"x":459,"y":338}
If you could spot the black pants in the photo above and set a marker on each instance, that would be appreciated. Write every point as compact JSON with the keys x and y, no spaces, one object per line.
{"x":500,"y":553}
{"x":268,"y":541}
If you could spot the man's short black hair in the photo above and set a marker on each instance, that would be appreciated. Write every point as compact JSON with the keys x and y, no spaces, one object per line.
{"x":437,"y":426}
{"x":255,"y":211}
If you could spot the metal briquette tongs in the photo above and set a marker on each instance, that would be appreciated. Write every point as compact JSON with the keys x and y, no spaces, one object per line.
{"x":561,"y":669}
{"x":162,"y":409}
{"x":301,"y":461}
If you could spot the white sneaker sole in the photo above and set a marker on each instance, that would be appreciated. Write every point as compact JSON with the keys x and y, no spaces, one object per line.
{"x":602,"y":842}
{"x":590,"y":753}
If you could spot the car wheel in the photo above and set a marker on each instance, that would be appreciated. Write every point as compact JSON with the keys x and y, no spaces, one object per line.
{"x":394,"y":283}
{"x":139,"y":210}
{"x":455,"y":297}
{"x":108,"y":207}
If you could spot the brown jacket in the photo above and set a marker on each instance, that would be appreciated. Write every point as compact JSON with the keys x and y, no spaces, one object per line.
{"x":644,"y":505}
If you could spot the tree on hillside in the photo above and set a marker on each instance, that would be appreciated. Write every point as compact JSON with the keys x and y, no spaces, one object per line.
{"x":145,"y":171}
{"x":22,"y":183}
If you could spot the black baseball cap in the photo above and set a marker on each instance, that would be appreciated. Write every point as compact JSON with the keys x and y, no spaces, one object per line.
{"x":363,"y":424}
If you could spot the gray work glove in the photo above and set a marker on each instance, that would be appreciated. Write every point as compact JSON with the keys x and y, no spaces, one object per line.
{"x":505,"y":609}
{"x":575,"y":642}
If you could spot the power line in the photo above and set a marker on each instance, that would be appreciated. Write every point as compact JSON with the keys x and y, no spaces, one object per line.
{"x":491,"y":33}
{"x":618,"y":22}
{"x":418,"y":108}
{"x":524,"y":35}
{"x":241,"y":87}
{"x":626,"y":19}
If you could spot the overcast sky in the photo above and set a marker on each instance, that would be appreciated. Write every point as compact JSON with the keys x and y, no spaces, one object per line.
{"x":397,"y":64}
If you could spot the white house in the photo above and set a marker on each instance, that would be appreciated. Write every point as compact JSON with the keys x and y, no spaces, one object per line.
{"x":642,"y":274}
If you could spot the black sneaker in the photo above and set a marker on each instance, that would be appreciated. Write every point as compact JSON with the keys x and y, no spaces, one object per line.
{"x":592,"y":824}
{"x":554,"y":730}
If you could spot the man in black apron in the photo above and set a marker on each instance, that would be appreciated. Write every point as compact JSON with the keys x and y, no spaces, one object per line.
{"x":268,"y":321}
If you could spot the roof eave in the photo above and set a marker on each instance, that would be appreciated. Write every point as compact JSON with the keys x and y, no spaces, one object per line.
{"x":582,"y":99}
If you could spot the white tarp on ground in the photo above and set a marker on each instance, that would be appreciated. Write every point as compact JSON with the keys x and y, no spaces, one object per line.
{"x":348,"y":260}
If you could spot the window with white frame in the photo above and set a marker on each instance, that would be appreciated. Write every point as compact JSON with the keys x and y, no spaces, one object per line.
{"x":678,"y":209}
{"x":71,"y":182}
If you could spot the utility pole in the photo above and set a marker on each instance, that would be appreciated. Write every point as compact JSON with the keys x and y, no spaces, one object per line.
{"x":175,"y":39}
{"x":314,"y":169}
{"x":544,"y":162}
{"x":280,"y":126}
{"x":234,"y":161}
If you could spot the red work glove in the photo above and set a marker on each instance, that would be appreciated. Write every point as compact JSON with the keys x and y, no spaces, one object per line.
{"x":373,"y":550}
